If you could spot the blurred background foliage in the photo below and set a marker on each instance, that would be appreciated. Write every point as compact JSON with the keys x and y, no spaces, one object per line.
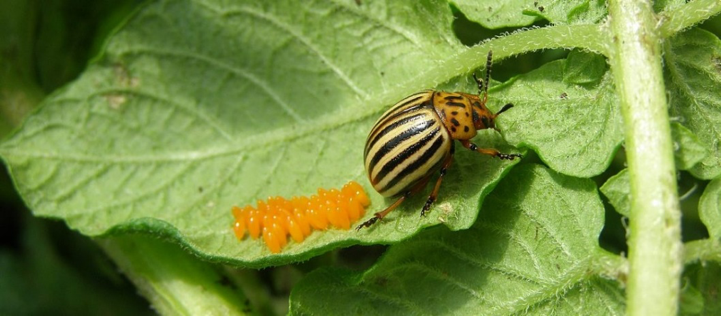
{"x":49,"y":269}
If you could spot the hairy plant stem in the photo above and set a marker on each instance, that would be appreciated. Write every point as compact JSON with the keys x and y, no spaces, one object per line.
{"x":677,"y":19}
{"x":655,"y":248}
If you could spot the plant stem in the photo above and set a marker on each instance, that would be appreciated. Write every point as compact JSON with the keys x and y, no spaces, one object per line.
{"x":590,"y":37}
{"x":685,"y":16}
{"x":174,"y":282}
{"x":655,"y":248}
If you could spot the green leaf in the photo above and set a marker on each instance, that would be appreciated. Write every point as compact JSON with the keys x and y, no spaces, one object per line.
{"x":534,"y":249}
{"x":509,"y":13}
{"x":709,"y":208}
{"x":688,"y":149}
{"x":692,"y":301}
{"x":617,"y":189}
{"x":584,"y":68}
{"x":693,"y":75}
{"x":575,"y":129}
{"x":701,"y":279}
{"x":196,"y":106}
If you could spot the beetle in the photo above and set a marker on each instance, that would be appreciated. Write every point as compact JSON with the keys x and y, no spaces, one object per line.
{"x":415,"y":138}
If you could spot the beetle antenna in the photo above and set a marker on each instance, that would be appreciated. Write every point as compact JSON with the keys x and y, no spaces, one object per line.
{"x":479,"y":82}
{"x":489,"y":63}
{"x":504,"y":108}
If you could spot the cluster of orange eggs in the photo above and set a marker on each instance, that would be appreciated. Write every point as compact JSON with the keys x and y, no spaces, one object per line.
{"x":277,"y":218}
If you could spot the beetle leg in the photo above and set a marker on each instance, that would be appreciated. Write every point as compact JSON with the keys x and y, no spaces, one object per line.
{"x":434,"y":193}
{"x":380,"y":215}
{"x":489,"y":151}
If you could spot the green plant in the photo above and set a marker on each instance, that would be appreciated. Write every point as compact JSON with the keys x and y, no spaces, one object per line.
{"x":194,"y":106}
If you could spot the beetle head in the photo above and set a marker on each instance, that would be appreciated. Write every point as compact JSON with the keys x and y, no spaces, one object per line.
{"x":484,"y":118}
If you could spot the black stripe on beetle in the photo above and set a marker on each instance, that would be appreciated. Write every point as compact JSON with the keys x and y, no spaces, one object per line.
{"x":409,"y":151}
{"x":417,"y":163}
{"x":453,"y":97}
{"x":461,"y":105}
{"x":391,"y":128}
{"x":398,"y":140}
{"x":412,"y":103}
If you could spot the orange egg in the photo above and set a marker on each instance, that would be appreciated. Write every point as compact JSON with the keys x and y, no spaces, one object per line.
{"x":277,"y":218}
{"x":331,"y":211}
{"x":355,"y":190}
{"x":239,"y":229}
{"x":271,"y":240}
{"x":262,"y":206}
{"x":237,"y":212}
{"x":355,"y":210}
{"x":295,"y":231}
{"x":253,"y":222}
{"x":299,"y":215}
{"x":341,"y":213}
{"x":317,"y":215}
{"x":280,"y":234}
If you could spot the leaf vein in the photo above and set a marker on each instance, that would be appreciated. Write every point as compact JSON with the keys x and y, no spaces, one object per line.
{"x":442,"y":276}
{"x":305,"y":41}
{"x":227,"y":67}
{"x":460,"y":254}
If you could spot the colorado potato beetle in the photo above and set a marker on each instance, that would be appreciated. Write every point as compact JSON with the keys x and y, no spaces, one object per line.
{"x":415,"y":138}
